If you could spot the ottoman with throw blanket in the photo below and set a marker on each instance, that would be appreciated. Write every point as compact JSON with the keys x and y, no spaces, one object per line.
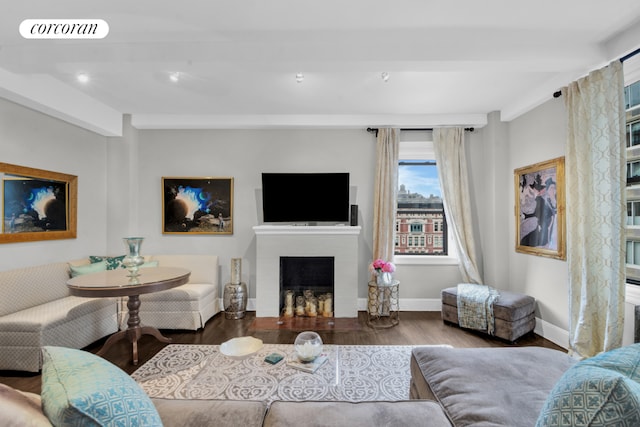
{"x":509,"y":315}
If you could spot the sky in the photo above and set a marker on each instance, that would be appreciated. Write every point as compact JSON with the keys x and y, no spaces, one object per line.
{"x":419,"y":179}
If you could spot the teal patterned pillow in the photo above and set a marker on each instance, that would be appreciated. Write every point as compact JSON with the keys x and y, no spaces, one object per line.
{"x":599,"y":391}
{"x":113,"y":262}
{"x":82,"y":389}
{"x":78,"y":270}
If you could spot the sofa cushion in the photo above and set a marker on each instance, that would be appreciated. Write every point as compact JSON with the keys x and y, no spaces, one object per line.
{"x":599,"y":391}
{"x":80,"y":388}
{"x":203,"y":268}
{"x":69,"y":322}
{"x":504,"y":386}
{"x":219,"y":413}
{"x":179,"y":295}
{"x":18,"y":409}
{"x":28,"y":287}
{"x":54,"y":313}
{"x":355,"y":414}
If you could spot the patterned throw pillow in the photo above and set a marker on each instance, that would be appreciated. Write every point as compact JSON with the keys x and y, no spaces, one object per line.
{"x":82,"y":389}
{"x":78,"y":270}
{"x":113,"y":262}
{"x":599,"y":391}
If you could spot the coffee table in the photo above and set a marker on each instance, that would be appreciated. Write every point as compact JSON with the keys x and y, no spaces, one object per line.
{"x":352,"y":373}
{"x":117,"y":283}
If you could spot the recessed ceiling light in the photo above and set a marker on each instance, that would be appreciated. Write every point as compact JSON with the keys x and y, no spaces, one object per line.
{"x":82,"y":77}
{"x":385,"y":76}
{"x":299,"y":77}
{"x":174,"y":77}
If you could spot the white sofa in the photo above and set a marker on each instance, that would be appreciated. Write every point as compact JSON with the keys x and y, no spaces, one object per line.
{"x":188,"y":306}
{"x":185,"y":307}
{"x":36,"y":308}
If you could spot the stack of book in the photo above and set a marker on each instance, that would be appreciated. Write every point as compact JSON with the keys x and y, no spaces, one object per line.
{"x":311,"y":366}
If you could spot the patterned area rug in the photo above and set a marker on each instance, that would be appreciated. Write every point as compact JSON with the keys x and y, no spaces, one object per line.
{"x":352,"y":373}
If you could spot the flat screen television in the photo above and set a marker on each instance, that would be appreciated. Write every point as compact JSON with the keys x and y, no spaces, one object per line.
{"x":305,"y":197}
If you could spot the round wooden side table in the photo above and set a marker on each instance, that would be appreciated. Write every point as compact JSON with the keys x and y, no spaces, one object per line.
{"x":383,"y":307}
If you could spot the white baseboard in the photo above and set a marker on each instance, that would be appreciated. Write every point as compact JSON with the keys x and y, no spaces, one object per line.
{"x":409,"y":304}
{"x":552,"y":332}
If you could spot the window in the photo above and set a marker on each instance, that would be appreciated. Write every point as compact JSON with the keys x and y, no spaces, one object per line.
{"x":632,"y":95}
{"x":416,"y":228}
{"x":420,"y":215}
{"x":633,"y":253}
{"x":633,"y":213}
{"x":633,"y":172}
{"x":633,"y":134}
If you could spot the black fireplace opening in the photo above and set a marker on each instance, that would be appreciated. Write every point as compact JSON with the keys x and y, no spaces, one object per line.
{"x":304,"y":274}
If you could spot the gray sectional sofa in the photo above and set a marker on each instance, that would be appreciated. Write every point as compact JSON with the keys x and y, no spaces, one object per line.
{"x":529,"y":386}
{"x":510,"y":387}
{"x":504,"y":386}
{"x":16,"y":407}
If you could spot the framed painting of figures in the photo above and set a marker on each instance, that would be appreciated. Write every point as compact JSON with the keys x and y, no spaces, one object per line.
{"x":201,"y":205}
{"x":540,"y":209}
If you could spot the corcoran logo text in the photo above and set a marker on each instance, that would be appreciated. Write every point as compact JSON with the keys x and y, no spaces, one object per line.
{"x":64,"y":29}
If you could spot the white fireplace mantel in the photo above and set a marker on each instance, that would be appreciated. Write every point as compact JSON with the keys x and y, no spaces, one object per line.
{"x":275,"y":241}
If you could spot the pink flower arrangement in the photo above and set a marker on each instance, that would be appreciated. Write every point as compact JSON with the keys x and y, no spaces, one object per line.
{"x":380,"y":266}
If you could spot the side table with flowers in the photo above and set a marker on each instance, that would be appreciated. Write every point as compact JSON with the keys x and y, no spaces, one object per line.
{"x":383,"y":298}
{"x":383,"y":270}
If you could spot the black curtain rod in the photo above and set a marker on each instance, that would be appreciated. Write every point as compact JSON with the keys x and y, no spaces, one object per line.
{"x":630,"y":55}
{"x":375,"y":130}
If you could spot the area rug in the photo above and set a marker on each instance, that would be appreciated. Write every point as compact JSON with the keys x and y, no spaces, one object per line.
{"x":352,"y":373}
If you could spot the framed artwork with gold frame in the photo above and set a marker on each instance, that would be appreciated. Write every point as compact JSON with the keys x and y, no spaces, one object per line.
{"x":37,"y":204}
{"x":540,"y":209}
{"x":197,"y":205}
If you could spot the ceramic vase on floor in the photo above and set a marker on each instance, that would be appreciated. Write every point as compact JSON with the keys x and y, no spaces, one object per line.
{"x":235,"y":292}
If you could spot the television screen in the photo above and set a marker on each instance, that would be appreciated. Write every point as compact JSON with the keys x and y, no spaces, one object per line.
{"x":305,"y":197}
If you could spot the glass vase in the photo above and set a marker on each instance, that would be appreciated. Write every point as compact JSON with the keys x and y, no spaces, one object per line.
{"x":133,"y":260}
{"x":384,"y":279}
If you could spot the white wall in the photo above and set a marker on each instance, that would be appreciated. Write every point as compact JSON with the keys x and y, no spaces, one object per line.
{"x":535,"y":137}
{"x":491,"y":184}
{"x":244,"y":155}
{"x":120,"y":193}
{"x":29,"y":138}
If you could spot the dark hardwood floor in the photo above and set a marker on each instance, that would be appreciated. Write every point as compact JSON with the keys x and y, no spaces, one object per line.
{"x":415,"y":328}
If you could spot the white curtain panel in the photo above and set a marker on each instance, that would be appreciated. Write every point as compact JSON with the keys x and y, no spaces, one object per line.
{"x":595,"y":178}
{"x":452,"y":171}
{"x":386,"y":189}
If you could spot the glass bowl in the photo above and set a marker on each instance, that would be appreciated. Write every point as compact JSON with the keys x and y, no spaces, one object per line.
{"x":308,"y":346}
